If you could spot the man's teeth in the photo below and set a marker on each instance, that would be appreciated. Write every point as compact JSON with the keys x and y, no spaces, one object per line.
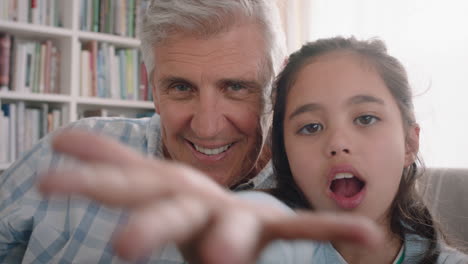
{"x":343,"y":175}
{"x":214,"y":151}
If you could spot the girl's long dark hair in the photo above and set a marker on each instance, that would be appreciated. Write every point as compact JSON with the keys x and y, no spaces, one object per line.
{"x":408,"y":213}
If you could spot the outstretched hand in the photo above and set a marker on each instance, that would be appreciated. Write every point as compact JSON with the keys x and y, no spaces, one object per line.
{"x":170,"y":202}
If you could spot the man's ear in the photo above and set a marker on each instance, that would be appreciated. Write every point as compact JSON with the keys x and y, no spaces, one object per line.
{"x":412,"y":144}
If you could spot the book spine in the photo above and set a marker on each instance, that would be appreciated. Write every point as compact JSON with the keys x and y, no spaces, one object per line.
{"x":43,"y":119}
{"x":96,"y":5}
{"x":42,"y":69}
{"x":54,"y":70}
{"x":123,"y":74}
{"x":13,"y":130}
{"x":85,"y":73}
{"x":38,"y":64}
{"x":129,"y":72}
{"x":143,"y":82}
{"x":20,"y":123}
{"x":5,"y":57}
{"x":20,"y":66}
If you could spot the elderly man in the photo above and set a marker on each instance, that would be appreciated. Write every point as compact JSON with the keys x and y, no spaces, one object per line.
{"x":211,"y":65}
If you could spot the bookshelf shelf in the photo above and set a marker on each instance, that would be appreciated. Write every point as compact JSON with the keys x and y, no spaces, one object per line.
{"x":30,"y":30}
{"x":91,"y":101}
{"x":4,"y":166}
{"x":69,"y":40}
{"x":103,"y":37}
{"x":53,"y":98}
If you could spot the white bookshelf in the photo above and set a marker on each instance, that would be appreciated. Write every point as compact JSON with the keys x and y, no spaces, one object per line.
{"x":68,"y":39}
{"x":4,"y":166}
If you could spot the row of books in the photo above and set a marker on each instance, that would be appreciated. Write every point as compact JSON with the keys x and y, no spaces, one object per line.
{"x":22,"y":126}
{"x":40,"y":12}
{"x":110,"y":72}
{"x":29,"y":66}
{"x":119,"y":17}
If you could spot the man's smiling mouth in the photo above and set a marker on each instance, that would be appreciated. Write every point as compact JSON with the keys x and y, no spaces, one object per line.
{"x":211,"y":151}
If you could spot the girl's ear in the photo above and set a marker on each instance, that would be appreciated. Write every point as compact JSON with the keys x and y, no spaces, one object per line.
{"x":412,"y":144}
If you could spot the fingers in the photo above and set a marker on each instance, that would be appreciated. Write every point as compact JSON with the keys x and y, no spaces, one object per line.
{"x":325,"y":227}
{"x":86,"y":146}
{"x":151,"y":227}
{"x":233,"y":239}
{"x":130,"y":186}
{"x":111,"y":185}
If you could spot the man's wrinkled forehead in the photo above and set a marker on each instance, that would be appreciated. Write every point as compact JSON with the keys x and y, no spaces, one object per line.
{"x":235,"y":61}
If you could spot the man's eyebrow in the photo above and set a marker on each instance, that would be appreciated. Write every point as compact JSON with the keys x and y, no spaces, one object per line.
{"x":167,"y":80}
{"x":360,"y":99}
{"x":305,"y":108}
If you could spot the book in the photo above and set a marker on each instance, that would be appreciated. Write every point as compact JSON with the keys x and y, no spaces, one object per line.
{"x":20,"y":129}
{"x":95,"y":24}
{"x":55,"y":70}
{"x":85,"y":73}
{"x":112,"y":73}
{"x":143,"y":82}
{"x":43,"y":120}
{"x":123,"y":75}
{"x":12,"y":132}
{"x":42,"y":69}
{"x":19,"y":68}
{"x":136,"y":74}
{"x":129,"y":73}
{"x":47,"y":66}
{"x":37,"y":72}
{"x":5,"y":56}
{"x":4,"y":135}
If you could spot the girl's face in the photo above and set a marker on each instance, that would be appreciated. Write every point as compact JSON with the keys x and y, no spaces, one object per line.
{"x":344,"y":136}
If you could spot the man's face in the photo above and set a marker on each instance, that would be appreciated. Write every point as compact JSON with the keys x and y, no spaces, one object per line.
{"x":208,"y":93}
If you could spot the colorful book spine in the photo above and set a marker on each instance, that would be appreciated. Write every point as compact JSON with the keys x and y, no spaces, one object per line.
{"x":5,"y":56}
{"x":123,"y":74}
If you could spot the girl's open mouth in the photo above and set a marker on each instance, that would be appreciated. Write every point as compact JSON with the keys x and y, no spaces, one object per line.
{"x":347,"y":190}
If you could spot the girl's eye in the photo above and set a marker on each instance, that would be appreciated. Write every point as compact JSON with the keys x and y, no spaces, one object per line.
{"x":366,"y":120}
{"x":310,"y":129}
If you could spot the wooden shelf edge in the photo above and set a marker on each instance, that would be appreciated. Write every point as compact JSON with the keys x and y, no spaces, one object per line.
{"x":56,"y":98}
{"x":115,"y":103}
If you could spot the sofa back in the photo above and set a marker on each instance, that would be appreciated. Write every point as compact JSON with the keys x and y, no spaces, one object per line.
{"x":446,"y":194}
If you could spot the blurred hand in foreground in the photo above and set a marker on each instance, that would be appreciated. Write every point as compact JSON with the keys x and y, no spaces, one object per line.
{"x":170,"y":202}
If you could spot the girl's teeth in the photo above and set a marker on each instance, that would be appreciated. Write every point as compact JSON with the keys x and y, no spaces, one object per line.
{"x":210,"y":152}
{"x":343,"y":175}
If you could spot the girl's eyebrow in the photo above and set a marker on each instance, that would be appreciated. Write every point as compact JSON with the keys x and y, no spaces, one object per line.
{"x":360,"y":99}
{"x":357,"y":99}
{"x":311,"y":107}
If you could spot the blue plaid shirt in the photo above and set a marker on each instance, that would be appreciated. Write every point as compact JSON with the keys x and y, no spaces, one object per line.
{"x":75,"y":230}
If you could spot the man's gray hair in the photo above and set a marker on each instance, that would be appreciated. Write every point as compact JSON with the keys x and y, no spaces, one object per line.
{"x":209,"y":17}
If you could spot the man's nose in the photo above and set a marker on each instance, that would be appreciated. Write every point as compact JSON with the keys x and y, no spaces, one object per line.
{"x":208,"y":118}
{"x":338,"y":144}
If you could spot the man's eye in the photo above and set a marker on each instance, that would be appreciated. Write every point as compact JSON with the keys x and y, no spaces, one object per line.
{"x":180,"y":87}
{"x":236,"y":87}
{"x":366,"y":120}
{"x":310,"y":129}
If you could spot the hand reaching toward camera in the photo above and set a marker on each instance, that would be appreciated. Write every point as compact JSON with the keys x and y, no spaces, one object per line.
{"x":170,"y":202}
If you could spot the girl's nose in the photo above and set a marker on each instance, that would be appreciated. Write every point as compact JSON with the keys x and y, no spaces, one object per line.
{"x":344,"y":150}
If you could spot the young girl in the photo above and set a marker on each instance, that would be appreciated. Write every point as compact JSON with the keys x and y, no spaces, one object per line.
{"x":345,"y":139}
